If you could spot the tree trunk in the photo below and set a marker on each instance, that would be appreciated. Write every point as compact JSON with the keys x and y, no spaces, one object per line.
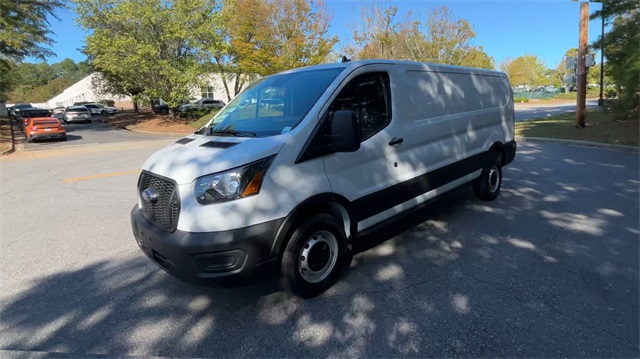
{"x":238,"y":85}
{"x":172,"y":113}
{"x":135,"y":107}
{"x":224,"y":78}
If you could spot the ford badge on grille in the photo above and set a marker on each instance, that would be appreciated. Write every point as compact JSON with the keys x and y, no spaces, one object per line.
{"x":150,"y":195}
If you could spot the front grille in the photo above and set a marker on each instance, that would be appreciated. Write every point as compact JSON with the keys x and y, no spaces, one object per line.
{"x":164,"y":212}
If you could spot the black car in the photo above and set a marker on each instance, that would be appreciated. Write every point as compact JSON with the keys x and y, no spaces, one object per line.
{"x":164,"y":108}
{"x":203,"y":103}
{"x":15,"y":110}
{"x":32,"y":112}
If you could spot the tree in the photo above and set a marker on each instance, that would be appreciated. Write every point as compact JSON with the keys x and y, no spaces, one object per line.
{"x":269,"y":36}
{"x":38,"y":82}
{"x":149,"y":45}
{"x":621,"y":50}
{"x":440,"y":39}
{"x":525,"y":70}
{"x":24,"y":32}
{"x":216,"y":41}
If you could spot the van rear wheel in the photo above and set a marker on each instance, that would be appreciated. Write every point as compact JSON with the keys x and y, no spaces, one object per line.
{"x":487,"y":186}
{"x":314,"y":256}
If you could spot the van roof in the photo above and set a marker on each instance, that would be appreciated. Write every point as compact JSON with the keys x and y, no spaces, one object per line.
{"x":412,"y":64}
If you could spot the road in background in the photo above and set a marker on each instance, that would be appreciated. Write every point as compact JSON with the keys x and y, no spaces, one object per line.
{"x":526,"y":112}
{"x":549,"y":269}
{"x":98,"y":132}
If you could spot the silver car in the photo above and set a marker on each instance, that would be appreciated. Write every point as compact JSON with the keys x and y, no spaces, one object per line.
{"x":77,"y":114}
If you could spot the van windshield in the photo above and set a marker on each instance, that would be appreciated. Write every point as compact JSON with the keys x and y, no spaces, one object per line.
{"x":272,"y":105}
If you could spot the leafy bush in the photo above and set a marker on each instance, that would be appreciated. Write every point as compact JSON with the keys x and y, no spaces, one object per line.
{"x":520,"y":99}
{"x":109,"y":103}
{"x":611,"y":92}
{"x":194,"y":113}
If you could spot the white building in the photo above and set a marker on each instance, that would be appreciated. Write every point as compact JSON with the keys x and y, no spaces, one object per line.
{"x":86,"y":90}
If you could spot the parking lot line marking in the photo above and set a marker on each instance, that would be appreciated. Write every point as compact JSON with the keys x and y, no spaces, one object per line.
{"x":103,"y":175}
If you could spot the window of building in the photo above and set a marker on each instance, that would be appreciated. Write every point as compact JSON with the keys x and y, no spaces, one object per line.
{"x":207,"y":92}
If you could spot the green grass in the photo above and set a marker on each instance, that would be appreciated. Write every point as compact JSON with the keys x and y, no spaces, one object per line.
{"x":602,"y":127}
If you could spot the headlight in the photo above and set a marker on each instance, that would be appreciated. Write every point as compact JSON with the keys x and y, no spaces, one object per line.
{"x":233,"y":184}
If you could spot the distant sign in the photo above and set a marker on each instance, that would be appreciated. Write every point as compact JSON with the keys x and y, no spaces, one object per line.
{"x":571,"y":63}
{"x":569,"y":79}
{"x":590,"y":60}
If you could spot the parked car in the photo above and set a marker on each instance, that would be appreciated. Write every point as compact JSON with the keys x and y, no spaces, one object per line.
{"x":303,"y":183}
{"x":203,"y":103}
{"x":100,"y":109}
{"x":58,"y":110}
{"x":17,"y":108}
{"x":41,"y":128}
{"x":27,"y":113}
{"x":76,"y":114}
{"x":164,"y":107}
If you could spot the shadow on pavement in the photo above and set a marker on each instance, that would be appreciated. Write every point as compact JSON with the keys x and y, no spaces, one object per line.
{"x":549,"y":269}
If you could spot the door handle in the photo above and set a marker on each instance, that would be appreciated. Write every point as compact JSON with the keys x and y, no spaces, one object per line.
{"x":395,"y":141}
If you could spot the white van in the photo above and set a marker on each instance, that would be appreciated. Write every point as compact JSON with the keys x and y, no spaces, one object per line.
{"x":299,"y":163}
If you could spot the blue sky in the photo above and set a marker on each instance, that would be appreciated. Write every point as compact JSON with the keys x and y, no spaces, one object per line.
{"x":505,"y":28}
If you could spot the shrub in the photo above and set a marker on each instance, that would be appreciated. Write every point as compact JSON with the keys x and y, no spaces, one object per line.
{"x":194,"y":113}
{"x":520,"y":99}
{"x":109,"y":103}
{"x":611,"y":92}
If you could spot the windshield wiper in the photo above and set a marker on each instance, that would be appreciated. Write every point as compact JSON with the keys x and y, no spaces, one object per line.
{"x":234,"y":133}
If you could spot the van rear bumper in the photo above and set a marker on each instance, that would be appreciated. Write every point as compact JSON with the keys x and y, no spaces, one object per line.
{"x":204,"y":258}
{"x":509,"y":151}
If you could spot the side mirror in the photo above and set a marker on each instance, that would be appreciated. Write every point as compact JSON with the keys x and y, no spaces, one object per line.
{"x":345,"y":132}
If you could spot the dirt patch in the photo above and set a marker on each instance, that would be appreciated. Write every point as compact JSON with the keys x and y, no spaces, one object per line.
{"x":150,"y":123}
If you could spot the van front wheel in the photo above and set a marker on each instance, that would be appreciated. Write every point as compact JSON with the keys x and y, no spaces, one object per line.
{"x":314,"y":256}
{"x":487,"y":186}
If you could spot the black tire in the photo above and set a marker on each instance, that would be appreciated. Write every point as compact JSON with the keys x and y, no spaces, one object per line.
{"x":487,"y":186}
{"x":320,"y":226}
{"x":29,"y":140}
{"x":103,"y":113}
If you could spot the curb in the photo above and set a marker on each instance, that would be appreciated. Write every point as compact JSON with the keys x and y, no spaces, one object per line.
{"x":608,"y":146}
{"x":156,"y":133}
{"x":7,"y":152}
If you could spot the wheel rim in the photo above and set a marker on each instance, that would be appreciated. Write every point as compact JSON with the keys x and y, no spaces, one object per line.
{"x":494,"y":179}
{"x":318,"y":256}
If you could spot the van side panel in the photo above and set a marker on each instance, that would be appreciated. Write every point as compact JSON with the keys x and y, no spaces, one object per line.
{"x":452,"y":116}
{"x":449,"y":120}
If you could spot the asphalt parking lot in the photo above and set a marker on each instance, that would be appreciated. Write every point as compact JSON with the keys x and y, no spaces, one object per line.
{"x":92,"y":133}
{"x":549,"y":269}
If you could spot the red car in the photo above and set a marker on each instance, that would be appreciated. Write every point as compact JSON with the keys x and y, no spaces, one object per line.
{"x":40,"y":128}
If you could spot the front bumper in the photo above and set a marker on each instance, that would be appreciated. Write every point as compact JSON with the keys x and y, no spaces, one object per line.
{"x":203,"y":258}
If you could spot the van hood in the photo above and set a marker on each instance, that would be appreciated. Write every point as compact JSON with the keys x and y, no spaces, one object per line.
{"x":197,"y":155}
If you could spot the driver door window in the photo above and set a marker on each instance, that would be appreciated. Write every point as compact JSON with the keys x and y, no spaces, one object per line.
{"x":368,"y":97}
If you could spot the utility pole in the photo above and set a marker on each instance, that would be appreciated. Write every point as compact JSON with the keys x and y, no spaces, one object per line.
{"x":582,"y":69}
{"x":601,"y":100}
